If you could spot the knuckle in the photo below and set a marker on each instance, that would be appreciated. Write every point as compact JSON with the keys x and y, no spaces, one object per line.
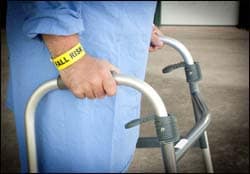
{"x":95,"y":80}
{"x":90,"y":96}
{"x":103,"y":71}
{"x":99,"y":94}
{"x":78,"y":92}
{"x":111,"y":90}
{"x":76,"y":89}
{"x":78,"y":95}
{"x":89,"y":93}
{"x":106,"y":75}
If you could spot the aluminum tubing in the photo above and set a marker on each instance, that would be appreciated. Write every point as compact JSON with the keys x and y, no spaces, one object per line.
{"x":140,"y":85}
{"x":187,"y":57}
{"x":30,"y":122}
{"x":192,"y":136}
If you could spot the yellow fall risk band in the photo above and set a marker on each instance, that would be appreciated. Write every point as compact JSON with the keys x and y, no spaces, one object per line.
{"x":68,"y":58}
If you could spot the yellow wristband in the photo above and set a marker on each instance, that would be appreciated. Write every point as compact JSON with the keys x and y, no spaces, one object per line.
{"x":68,"y":58}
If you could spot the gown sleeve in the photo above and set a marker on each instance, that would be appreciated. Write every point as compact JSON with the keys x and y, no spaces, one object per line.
{"x":55,"y":18}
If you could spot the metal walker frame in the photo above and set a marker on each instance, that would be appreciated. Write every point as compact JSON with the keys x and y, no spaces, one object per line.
{"x":172,"y":146}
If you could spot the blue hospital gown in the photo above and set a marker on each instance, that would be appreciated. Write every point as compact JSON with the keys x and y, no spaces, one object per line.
{"x":78,"y":135}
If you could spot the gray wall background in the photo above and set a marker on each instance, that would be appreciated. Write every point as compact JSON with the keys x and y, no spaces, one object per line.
{"x":224,"y":13}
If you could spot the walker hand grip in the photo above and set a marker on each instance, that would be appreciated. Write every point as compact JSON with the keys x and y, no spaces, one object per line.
{"x":60,"y":83}
{"x":179,"y":47}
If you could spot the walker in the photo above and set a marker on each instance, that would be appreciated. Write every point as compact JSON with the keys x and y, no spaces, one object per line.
{"x":173,"y":146}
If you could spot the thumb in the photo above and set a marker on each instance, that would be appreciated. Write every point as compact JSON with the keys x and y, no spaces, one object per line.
{"x":113,"y":68}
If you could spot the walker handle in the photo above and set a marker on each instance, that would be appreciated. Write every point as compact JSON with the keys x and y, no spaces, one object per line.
{"x":135,"y":83}
{"x":54,"y":84}
{"x":187,"y":57}
{"x":60,"y":83}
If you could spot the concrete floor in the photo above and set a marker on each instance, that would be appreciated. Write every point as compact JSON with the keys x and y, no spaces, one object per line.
{"x":223,"y":53}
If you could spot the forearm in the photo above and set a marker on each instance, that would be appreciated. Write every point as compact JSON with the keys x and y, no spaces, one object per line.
{"x":58,"y":45}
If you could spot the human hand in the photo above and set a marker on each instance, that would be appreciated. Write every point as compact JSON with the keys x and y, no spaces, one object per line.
{"x":156,"y":43}
{"x":90,"y":77}
{"x":87,"y":77}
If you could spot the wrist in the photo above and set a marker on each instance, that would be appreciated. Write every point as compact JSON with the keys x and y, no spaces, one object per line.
{"x":69,"y":57}
{"x":64,"y":50}
{"x":58,"y":45}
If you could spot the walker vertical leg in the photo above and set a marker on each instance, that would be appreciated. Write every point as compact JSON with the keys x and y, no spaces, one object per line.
{"x":199,"y":109}
{"x":207,"y":156}
{"x":168,"y":154}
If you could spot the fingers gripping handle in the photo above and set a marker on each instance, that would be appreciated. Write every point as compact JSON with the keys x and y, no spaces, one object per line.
{"x":61,"y":84}
{"x":137,"y":84}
